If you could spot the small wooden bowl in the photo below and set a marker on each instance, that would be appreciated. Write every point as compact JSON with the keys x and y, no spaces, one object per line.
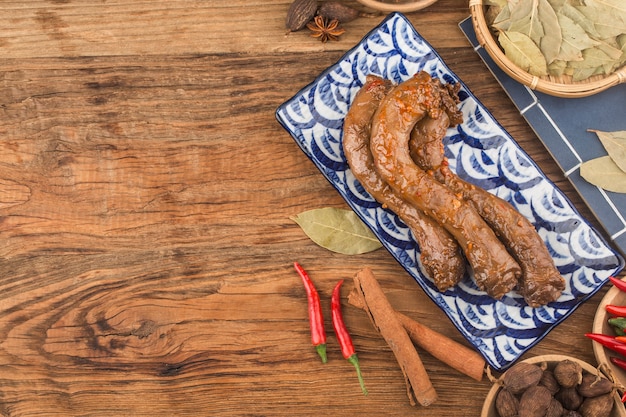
{"x":601,"y":325}
{"x":397,"y":5}
{"x":489,"y":406}
{"x":556,"y":86}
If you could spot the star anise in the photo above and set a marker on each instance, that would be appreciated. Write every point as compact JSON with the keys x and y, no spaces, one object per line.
{"x":325,"y":30}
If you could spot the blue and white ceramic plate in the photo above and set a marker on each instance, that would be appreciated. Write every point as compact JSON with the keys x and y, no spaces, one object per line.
{"x":480,"y":151}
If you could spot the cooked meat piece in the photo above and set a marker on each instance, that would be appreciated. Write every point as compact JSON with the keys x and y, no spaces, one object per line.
{"x":440,"y":254}
{"x":540,"y":282}
{"x":495,"y":271}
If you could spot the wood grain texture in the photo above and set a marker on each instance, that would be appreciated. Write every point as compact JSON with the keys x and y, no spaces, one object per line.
{"x":145,"y":244}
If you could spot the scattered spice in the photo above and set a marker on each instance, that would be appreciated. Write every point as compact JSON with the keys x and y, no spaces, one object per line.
{"x":384,"y":319}
{"x":343,"y":337}
{"x":316,"y":319}
{"x":454,"y":354}
{"x":300,"y":13}
{"x":324,"y":29}
{"x":333,"y":10}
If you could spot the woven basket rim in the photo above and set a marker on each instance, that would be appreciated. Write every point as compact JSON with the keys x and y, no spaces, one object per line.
{"x":546,"y":85}
{"x":409,"y":6}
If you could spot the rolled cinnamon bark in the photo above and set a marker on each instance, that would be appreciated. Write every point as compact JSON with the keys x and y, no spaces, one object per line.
{"x":448,"y":351}
{"x":384,"y":319}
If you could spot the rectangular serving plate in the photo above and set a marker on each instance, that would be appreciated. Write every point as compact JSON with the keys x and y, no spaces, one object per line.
{"x":480,"y":151}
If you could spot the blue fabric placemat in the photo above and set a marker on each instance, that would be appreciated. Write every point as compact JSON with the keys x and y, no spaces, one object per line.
{"x":562,"y":125}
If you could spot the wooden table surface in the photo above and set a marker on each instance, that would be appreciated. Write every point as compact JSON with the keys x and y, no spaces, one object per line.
{"x":146,"y":190}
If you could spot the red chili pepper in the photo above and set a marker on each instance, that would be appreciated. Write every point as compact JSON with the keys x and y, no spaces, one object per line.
{"x":609,"y":342}
{"x":343,"y":337}
{"x":621,"y":285}
{"x":316,"y":319}
{"x":619,"y":362}
{"x":621,"y":339}
{"x":616,"y":310}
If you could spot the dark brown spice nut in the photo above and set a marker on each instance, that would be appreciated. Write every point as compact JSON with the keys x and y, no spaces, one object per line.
{"x":569,"y":397}
{"x":555,"y":409}
{"x":568,"y":373}
{"x":549,"y":381}
{"x":534,"y":402}
{"x":507,"y":404}
{"x":600,"y":406}
{"x":300,"y":13}
{"x":594,"y":385}
{"x":521,"y":376}
{"x":333,"y":10}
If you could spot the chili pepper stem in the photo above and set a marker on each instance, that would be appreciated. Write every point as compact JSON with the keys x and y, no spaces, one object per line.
{"x":321,"y":350}
{"x":354,"y":360}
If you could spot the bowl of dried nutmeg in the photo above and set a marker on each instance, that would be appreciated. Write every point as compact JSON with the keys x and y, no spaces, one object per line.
{"x":553,"y":386}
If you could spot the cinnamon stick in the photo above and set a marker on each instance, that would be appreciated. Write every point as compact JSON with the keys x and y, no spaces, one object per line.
{"x":460,"y":357}
{"x":385,"y":320}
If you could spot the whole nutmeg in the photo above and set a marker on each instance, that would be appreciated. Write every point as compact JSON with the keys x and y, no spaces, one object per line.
{"x":594,"y":385}
{"x":549,"y":381}
{"x":300,"y":13}
{"x":333,"y":10}
{"x":534,"y":402}
{"x":600,"y":406}
{"x":570,"y":413}
{"x":569,"y":397}
{"x":555,"y":409}
{"x":568,"y":373}
{"x":521,"y":376}
{"x":507,"y":404}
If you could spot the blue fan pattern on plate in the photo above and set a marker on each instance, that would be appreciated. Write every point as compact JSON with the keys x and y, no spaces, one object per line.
{"x":480,"y":151}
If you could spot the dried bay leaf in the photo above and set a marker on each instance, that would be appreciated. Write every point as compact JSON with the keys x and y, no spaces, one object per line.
{"x":615,"y":8}
{"x":615,"y":145}
{"x":525,"y":19}
{"x":604,"y":173}
{"x":337,"y":230}
{"x":550,"y":43}
{"x":522,"y":51}
{"x":579,"y":18}
{"x":575,"y":39}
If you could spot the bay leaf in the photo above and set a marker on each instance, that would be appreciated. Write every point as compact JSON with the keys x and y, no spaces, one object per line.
{"x":575,"y":39}
{"x":567,"y":9}
{"x":497,"y":3}
{"x":557,"y":67}
{"x":607,"y":24}
{"x":525,"y":19}
{"x":523,"y":52}
{"x":615,"y":145}
{"x":337,"y":230}
{"x":595,"y":61}
{"x":615,"y":8}
{"x":604,"y":173}
{"x":502,"y":20}
{"x":550,"y":42}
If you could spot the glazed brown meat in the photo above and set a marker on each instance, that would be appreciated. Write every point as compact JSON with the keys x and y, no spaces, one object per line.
{"x":440,"y":254}
{"x":495,"y":271}
{"x":540,"y":282}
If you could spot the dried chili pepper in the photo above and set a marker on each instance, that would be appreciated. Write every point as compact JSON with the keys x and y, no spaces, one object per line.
{"x":343,"y":337}
{"x":618,"y":283}
{"x":608,"y":342}
{"x":316,"y":319}
{"x":616,"y":310}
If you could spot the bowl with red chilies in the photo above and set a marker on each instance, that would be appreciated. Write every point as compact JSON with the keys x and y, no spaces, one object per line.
{"x":609,"y":332}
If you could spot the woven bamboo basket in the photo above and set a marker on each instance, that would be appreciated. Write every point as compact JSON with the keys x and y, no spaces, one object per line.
{"x":556,"y":86}
{"x":397,"y":5}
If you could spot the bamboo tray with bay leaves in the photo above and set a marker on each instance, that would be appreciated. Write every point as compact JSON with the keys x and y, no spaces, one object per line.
{"x":561,"y":85}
